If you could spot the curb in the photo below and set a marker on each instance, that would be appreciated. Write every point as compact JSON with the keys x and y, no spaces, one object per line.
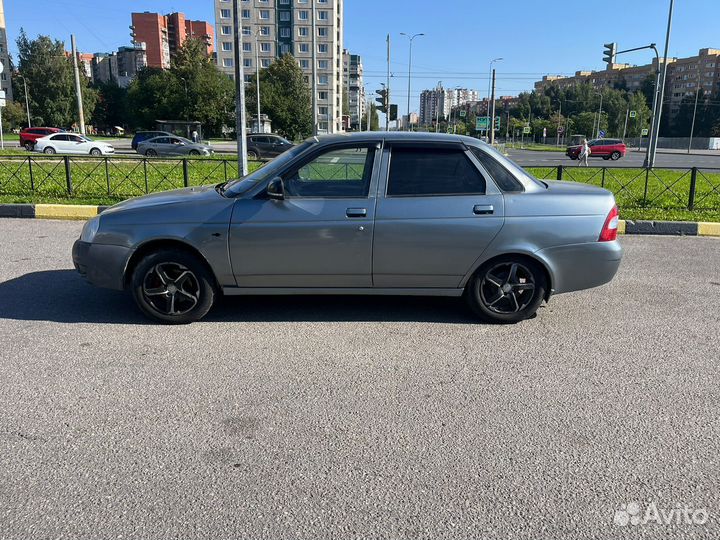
{"x":629,"y":227}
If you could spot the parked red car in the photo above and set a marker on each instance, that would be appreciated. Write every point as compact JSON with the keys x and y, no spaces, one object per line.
{"x":605,"y":148}
{"x":28,"y":136}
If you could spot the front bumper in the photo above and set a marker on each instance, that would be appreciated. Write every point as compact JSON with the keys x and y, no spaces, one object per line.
{"x":582,"y":266}
{"x":102,"y":265}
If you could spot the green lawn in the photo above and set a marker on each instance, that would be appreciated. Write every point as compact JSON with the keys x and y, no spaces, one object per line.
{"x":106,"y":182}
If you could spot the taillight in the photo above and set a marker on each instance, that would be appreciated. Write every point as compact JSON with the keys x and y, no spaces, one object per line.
{"x":610,"y":229}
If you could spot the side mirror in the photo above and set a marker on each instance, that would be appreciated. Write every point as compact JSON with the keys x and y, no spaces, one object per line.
{"x":276,"y":189}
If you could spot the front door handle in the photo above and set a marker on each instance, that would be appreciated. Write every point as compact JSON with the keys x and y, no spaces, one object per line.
{"x":356,"y":212}
{"x":483,"y":209}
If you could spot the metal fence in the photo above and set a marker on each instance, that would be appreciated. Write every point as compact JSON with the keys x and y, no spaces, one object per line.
{"x":114,"y":177}
{"x":118,"y":177}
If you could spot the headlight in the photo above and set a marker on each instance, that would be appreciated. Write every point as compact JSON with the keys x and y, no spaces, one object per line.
{"x":90,"y":229}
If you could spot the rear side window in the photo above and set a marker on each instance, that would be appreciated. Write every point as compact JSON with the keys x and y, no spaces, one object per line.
{"x":503,"y":178}
{"x":417,"y":171}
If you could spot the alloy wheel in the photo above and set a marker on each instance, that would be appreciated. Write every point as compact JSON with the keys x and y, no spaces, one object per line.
{"x":507,"y":288}
{"x":171,"y":289}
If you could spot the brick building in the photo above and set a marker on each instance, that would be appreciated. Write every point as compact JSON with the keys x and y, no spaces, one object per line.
{"x":163,"y":35}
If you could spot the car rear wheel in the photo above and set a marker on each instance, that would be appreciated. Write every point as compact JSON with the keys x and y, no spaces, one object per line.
{"x":95,"y":152}
{"x":150,"y":152}
{"x":573,"y":157}
{"x":252,"y":155}
{"x":194,"y":153}
{"x":615,"y":155}
{"x":29,"y":146}
{"x":173,"y":286}
{"x":507,"y":290}
{"x":49,"y":150}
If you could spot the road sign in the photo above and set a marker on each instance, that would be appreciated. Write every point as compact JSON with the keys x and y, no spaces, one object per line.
{"x":602,"y":134}
{"x":463,"y":114}
{"x":633,"y":114}
{"x":481,"y":123}
{"x":645,"y":132}
{"x":526,"y":129}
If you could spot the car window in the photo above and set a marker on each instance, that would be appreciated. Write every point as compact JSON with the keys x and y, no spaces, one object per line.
{"x":262,"y":140}
{"x":75,"y":138}
{"x":503,"y":178}
{"x":341,"y":172}
{"x":60,"y":138}
{"x":418,"y":171}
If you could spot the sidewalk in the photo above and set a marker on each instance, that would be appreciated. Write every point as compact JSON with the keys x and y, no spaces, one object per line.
{"x":678,"y":151}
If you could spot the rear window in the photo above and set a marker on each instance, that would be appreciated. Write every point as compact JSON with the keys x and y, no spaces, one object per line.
{"x":418,"y":171}
{"x":503,"y":178}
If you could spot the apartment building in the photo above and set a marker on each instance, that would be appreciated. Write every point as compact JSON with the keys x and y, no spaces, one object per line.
{"x":5,"y":83}
{"x":272,"y":28}
{"x":685,"y":76}
{"x":354,"y":87}
{"x":163,"y":35}
{"x":440,"y":101}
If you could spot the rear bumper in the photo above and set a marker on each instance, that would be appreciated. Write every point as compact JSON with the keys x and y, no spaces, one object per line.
{"x":101,"y":265}
{"x":582,"y":266}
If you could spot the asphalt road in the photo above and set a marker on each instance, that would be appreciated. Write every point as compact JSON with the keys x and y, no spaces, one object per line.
{"x":357,"y":417}
{"x":534,"y":158}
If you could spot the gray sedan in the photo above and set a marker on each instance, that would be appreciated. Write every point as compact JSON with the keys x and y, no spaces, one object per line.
{"x":370,"y":213}
{"x":172,"y":146}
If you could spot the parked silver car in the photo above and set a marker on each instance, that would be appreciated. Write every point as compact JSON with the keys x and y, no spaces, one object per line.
{"x":172,"y":145}
{"x":367,"y":213}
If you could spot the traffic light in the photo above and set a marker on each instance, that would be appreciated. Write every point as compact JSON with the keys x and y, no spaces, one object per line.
{"x":393,"y":112}
{"x":497,"y":123}
{"x":610,"y":53}
{"x":383,"y":100}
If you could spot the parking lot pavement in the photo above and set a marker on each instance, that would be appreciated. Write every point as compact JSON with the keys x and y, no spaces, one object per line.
{"x":358,"y":417}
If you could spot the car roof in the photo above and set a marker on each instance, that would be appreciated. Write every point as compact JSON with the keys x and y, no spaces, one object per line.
{"x":396,"y":136}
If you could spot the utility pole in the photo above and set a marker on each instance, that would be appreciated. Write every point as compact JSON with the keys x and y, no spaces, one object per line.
{"x":387,"y":114}
{"x":369,"y":110}
{"x":660,"y":94}
{"x":437,"y":106}
{"x":491,"y":127}
{"x":557,"y":131}
{"x":411,"y":38}
{"x":78,"y":90}
{"x":27,"y":101}
{"x":313,"y":14}
{"x":257,"y":78}
{"x":627,"y":116}
{"x":599,"y":116}
{"x":692,"y":129}
{"x":240,"y":121}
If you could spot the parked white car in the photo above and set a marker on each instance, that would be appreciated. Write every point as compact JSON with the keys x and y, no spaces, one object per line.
{"x":72,"y":143}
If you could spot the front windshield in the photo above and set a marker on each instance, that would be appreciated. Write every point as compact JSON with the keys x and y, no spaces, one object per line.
{"x":241,"y":185}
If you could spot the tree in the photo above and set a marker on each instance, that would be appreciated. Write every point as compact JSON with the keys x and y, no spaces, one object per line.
{"x":152,"y":96}
{"x":50,"y":80}
{"x":284,"y":97}
{"x":111,"y":107}
{"x":13,"y":116}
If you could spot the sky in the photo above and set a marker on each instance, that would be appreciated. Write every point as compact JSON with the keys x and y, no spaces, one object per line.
{"x":533,"y":37}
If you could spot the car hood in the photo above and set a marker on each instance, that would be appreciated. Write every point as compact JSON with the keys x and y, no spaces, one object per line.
{"x":165,"y":198}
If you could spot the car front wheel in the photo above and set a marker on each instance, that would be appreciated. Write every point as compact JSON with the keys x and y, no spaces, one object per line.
{"x":95,"y":152}
{"x":173,"y":286}
{"x":252,"y":155}
{"x":150,"y":152}
{"x":507,"y":290}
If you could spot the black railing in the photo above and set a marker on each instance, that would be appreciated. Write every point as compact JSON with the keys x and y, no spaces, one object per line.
{"x":693,"y":189}
{"x":86,"y":177}
{"x":114,"y":177}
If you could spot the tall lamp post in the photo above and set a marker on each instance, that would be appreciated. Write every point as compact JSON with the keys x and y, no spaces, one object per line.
{"x":257,"y":78}
{"x":27,"y":101}
{"x":597,"y":132}
{"x":489,"y":91}
{"x":660,"y":94}
{"x":411,"y":38}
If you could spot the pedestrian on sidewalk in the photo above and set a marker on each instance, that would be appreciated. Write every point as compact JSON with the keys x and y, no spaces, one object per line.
{"x":195,"y":136}
{"x":584,"y":154}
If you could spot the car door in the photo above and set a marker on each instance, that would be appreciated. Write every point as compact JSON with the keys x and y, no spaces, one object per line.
{"x":320,"y":235}
{"x":275,"y":146}
{"x":61,"y":143}
{"x":436,"y":214}
{"x":77,"y":145}
{"x":161,"y":145}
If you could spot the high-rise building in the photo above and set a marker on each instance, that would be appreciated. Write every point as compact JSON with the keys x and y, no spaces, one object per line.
{"x":278,"y":27}
{"x":4,"y":58}
{"x":163,"y":35}
{"x":441,"y":101}
{"x":354,"y":87}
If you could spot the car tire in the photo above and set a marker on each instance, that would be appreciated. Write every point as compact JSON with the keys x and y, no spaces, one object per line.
{"x":252,"y":155}
{"x":95,"y":152}
{"x":29,"y":146}
{"x":615,"y":155}
{"x":507,"y":290}
{"x":574,"y":158}
{"x":150,"y":153}
{"x":49,"y":150}
{"x":194,"y":153}
{"x":173,"y":286}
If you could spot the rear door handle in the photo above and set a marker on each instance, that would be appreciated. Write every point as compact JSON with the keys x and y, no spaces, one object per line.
{"x":356,"y":212}
{"x":483,"y":209}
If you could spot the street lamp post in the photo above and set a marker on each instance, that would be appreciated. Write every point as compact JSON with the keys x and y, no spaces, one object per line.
{"x":660,"y":94}
{"x":597,"y":132}
{"x":437,"y":106}
{"x":257,"y":77}
{"x":487,"y":133}
{"x":411,"y":38}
